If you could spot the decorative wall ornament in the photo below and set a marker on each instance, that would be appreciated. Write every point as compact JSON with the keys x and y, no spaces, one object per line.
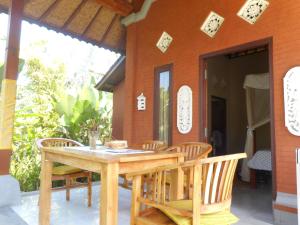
{"x":212,"y":24}
{"x":164,"y":42}
{"x":292,"y":100}
{"x":184,"y":109}
{"x":252,"y":10}
{"x":141,"y":102}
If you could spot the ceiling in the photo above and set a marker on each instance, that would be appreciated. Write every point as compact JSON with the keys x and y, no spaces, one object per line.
{"x":93,"y":21}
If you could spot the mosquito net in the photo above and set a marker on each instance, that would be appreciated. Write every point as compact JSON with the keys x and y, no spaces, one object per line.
{"x":258,"y":112}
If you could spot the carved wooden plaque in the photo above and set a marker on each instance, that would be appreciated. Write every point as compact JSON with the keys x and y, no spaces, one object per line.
{"x":292,"y":100}
{"x":184,"y":109}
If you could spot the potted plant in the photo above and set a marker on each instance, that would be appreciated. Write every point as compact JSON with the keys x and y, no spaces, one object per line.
{"x":93,"y":132}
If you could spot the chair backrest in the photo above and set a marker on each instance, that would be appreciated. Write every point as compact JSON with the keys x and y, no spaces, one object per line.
{"x":211,"y":188}
{"x":154,"y":145}
{"x":56,"y":142}
{"x":194,"y":150}
{"x":217,"y":180}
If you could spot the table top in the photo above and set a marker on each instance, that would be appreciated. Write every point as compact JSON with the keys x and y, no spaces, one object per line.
{"x":106,"y":155}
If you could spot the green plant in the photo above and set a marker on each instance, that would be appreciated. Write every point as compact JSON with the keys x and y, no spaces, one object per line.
{"x":45,"y":109}
{"x":25,"y":163}
{"x":83,"y":112}
{"x":35,"y":118}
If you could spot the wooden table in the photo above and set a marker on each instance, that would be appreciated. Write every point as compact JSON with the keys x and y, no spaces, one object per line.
{"x":109,"y":166}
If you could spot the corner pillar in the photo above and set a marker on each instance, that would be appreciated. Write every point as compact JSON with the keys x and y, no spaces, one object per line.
{"x":9,"y":84}
{"x":130,"y":73}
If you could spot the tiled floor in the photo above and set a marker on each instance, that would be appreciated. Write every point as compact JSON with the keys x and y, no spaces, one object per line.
{"x":9,"y":217}
{"x":252,"y":207}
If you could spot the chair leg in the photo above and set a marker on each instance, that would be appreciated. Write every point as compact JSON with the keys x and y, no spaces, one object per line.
{"x":89,"y":189}
{"x":68,"y":184}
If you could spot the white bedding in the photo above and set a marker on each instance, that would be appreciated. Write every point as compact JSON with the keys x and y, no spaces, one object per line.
{"x":262,"y":160}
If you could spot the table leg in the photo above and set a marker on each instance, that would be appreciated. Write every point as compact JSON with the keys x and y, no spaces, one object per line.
{"x":136,"y":193}
{"x":177,"y":182}
{"x":45,"y":191}
{"x":109,"y":194}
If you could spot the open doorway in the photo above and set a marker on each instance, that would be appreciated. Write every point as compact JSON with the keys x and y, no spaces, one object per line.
{"x":237,"y":100}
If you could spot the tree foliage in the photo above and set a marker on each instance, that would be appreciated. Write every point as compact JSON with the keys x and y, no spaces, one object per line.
{"x":46,"y":109}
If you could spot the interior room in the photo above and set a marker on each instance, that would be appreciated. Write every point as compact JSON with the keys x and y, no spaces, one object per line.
{"x":232,"y":80}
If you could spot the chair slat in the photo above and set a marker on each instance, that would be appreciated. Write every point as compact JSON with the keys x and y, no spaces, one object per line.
{"x":232,"y":174}
{"x":227,"y":178}
{"x":215,"y":182}
{"x":208,"y":182}
{"x":159,"y":186}
{"x":164,"y":181}
{"x":222,"y":181}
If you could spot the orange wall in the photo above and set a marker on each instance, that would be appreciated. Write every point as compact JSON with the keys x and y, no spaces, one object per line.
{"x":118,"y":111}
{"x":182,"y":20}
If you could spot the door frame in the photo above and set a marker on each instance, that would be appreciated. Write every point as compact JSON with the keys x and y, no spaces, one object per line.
{"x":157,"y":71}
{"x":203,"y":110}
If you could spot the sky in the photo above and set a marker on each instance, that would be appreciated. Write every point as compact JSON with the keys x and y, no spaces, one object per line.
{"x":78,"y":56}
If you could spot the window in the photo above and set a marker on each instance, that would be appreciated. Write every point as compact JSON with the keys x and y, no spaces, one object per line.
{"x":163,"y":104}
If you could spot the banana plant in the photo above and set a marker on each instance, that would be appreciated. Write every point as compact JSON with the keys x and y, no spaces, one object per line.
{"x":82,"y":111}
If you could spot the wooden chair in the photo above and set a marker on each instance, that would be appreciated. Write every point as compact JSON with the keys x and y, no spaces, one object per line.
{"x":193,"y":150}
{"x":208,"y":202}
{"x":152,"y":145}
{"x":156,"y":146}
{"x":66,"y":173}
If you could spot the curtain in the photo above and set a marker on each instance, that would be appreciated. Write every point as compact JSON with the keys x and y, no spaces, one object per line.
{"x":258,"y":113}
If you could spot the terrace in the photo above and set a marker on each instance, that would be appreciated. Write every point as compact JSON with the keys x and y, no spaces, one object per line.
{"x":199,"y":93}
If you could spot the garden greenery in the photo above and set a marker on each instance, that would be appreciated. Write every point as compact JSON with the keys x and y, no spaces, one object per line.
{"x":45,"y":108}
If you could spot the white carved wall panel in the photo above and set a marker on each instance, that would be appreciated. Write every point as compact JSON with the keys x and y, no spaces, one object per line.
{"x":292,"y":100}
{"x":252,"y":10}
{"x":184,"y":109}
{"x":164,"y":42}
{"x":212,"y":24}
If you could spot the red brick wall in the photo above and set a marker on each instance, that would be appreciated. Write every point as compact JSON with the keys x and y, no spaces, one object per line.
{"x":118,"y":111}
{"x":182,"y":20}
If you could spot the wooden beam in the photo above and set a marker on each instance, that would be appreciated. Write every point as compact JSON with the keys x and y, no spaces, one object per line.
{"x":49,"y":9}
{"x":9,"y":84}
{"x":121,"y":7}
{"x":109,"y":28}
{"x":74,"y":14}
{"x":91,"y":22}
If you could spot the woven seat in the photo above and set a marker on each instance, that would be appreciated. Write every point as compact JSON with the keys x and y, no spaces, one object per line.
{"x":66,"y":173}
{"x":156,"y":216}
{"x":65,"y":170}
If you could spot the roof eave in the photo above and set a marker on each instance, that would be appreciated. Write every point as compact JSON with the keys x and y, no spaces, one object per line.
{"x":67,"y":33}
